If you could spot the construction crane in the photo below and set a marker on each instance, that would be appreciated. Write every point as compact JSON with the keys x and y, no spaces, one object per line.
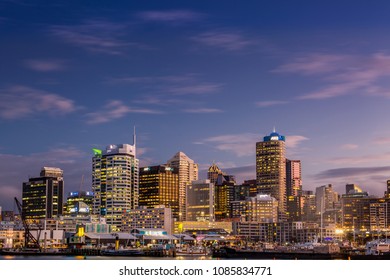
{"x":30,"y":241}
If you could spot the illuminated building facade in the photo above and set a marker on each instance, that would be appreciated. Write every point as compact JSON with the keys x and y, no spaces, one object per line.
{"x":159,"y":185}
{"x":200,"y":201}
{"x":79,"y":203}
{"x":293,"y":189}
{"x":327,"y":205}
{"x":143,"y":217}
{"x":188,"y":172}
{"x":271,"y":169}
{"x":115,"y":182}
{"x":262,"y":208}
{"x":43,"y":196}
{"x":224,"y":194}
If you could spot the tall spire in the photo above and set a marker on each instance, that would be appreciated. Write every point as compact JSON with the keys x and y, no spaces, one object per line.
{"x":274,"y":130}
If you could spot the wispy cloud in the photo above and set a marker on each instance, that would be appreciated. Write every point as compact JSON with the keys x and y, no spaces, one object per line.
{"x":292,"y":141}
{"x":201,"y":88}
{"x":45,"y":65}
{"x":226,"y":40}
{"x":116,"y":109}
{"x":170,"y":16}
{"x":270,"y":103}
{"x":382,"y":140}
{"x":348,"y":172}
{"x":202,"y":110}
{"x":349,"y":146}
{"x":19,"y":101}
{"x":96,"y":36}
{"x":361,"y":159}
{"x":343,"y":74}
{"x":244,"y":144}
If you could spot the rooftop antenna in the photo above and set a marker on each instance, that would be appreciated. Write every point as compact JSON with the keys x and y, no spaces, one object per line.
{"x":274,"y":129}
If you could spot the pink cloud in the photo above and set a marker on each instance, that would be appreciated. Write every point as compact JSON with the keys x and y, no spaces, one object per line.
{"x":20,"y":101}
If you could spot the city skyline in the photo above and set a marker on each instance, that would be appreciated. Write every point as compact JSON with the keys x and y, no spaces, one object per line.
{"x":207,"y":79}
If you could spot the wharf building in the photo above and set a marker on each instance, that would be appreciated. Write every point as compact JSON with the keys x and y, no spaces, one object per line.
{"x":158,"y":217}
{"x":188,"y":172}
{"x":159,"y":185}
{"x":271,"y":170}
{"x":200,"y":201}
{"x":115,"y":182}
{"x":42,"y":197}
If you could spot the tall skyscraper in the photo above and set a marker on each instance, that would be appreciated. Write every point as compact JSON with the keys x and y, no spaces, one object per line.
{"x":293,"y":189}
{"x":43,"y":196}
{"x":115,"y":182}
{"x":188,"y":172}
{"x":271,"y":169}
{"x":159,"y":185}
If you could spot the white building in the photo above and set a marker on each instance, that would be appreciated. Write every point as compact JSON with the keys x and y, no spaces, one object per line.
{"x":159,"y":217}
{"x":188,"y":172}
{"x":115,"y":182}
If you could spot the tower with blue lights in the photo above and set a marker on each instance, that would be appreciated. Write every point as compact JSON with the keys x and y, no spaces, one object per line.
{"x":271,"y":169}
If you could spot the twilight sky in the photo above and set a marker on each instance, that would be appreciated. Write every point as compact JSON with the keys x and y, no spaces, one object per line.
{"x":209,"y":78}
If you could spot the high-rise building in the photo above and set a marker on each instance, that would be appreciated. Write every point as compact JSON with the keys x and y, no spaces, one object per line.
{"x":224,"y":191}
{"x":188,"y":172}
{"x":293,"y":189}
{"x":213,"y":172}
{"x":43,"y":196}
{"x":271,"y":169}
{"x":200,"y":201}
{"x":115,"y":182}
{"x":308,"y":206}
{"x":159,"y":185}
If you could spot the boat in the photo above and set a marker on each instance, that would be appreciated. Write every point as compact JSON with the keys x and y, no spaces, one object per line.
{"x":232,"y":253}
{"x":192,"y":251}
{"x":122,"y":252}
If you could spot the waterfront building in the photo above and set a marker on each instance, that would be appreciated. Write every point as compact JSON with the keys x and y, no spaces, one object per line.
{"x":115,"y":182}
{"x":79,"y":203}
{"x":271,"y":169}
{"x":159,"y":185}
{"x":42,"y":197}
{"x":143,"y":217}
{"x":194,"y":227}
{"x":200,"y":201}
{"x":379,"y":215}
{"x":355,"y":207}
{"x":188,"y":172}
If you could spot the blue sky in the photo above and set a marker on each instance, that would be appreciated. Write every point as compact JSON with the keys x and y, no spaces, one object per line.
{"x":209,"y":78}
